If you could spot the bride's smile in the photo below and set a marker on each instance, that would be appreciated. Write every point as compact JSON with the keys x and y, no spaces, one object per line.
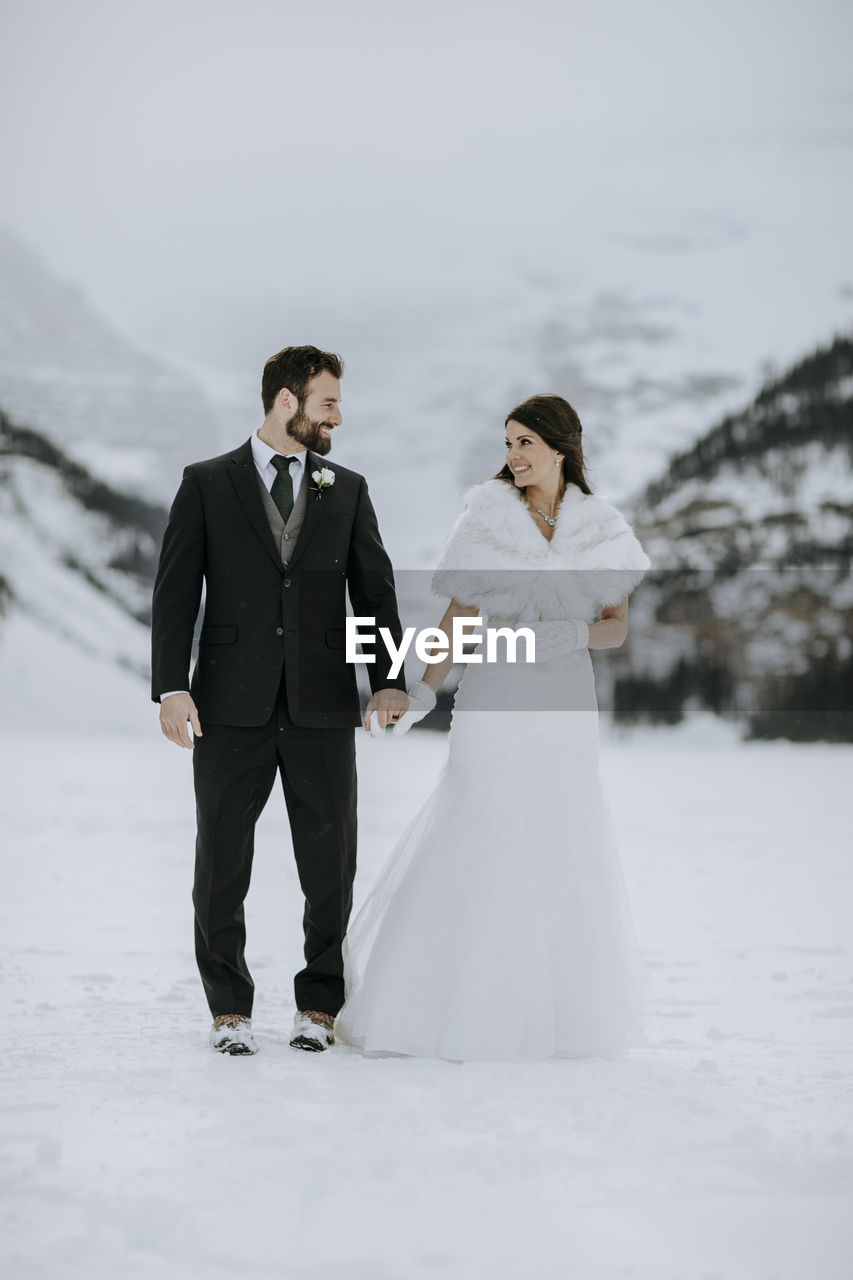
{"x":535,"y":466}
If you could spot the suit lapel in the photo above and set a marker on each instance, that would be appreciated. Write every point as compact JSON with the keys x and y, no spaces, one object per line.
{"x":313,"y":507}
{"x":245,"y":480}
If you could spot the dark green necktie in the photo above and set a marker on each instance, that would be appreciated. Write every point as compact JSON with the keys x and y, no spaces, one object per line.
{"x":282,"y":487}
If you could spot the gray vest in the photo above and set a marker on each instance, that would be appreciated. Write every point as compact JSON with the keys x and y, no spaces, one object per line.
{"x":285,"y":535}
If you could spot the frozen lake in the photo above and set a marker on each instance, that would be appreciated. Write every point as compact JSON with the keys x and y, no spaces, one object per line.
{"x":720,"y":1149}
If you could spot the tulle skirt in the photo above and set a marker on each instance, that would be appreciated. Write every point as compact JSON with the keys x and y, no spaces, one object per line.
{"x":499,"y":929}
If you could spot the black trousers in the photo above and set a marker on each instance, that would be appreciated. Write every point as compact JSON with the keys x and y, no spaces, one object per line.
{"x":234,"y":771}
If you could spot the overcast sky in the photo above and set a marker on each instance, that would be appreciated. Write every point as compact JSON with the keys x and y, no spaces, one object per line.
{"x":161,"y":152}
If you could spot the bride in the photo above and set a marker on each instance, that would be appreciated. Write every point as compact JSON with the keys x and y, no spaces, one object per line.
{"x":499,"y":929}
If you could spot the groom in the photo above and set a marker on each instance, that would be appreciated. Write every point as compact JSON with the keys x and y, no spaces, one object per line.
{"x":276,"y":537}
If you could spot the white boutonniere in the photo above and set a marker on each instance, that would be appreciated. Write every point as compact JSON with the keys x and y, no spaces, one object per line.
{"x":323,"y":479}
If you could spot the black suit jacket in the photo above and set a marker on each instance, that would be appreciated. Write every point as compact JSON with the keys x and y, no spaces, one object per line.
{"x":259,"y":618}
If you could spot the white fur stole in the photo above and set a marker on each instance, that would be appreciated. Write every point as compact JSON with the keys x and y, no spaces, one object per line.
{"x":497,"y":561}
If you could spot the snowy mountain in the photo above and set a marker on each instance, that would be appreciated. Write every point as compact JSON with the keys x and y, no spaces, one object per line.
{"x":77,"y":558}
{"x":750,"y":610}
{"x":428,"y":383}
{"x":65,"y":372}
{"x":749,"y":525}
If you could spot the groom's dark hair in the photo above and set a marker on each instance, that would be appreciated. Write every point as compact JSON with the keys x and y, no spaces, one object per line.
{"x":294,"y":367}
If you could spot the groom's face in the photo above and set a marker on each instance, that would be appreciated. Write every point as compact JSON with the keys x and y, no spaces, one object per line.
{"x":318,"y":414}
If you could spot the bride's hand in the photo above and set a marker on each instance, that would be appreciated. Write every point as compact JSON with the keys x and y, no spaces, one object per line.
{"x":422,"y":699}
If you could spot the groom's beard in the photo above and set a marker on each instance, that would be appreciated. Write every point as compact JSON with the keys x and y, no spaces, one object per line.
{"x":309,"y":433}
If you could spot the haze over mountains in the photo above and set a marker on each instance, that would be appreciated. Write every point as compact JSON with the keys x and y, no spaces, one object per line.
{"x":94,"y":434}
{"x":66,"y":372}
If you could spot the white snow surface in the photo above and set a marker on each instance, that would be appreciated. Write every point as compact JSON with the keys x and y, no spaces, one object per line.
{"x":718,"y":1149}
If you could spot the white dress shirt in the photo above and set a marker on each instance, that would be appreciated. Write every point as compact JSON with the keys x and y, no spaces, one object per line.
{"x":263,"y":455}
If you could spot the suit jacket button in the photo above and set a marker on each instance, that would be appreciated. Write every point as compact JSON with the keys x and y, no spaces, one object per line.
{"x":287,"y":582}
{"x":279,"y":631}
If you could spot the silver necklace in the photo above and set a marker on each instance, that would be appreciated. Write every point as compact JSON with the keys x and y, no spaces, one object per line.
{"x":551,"y":520}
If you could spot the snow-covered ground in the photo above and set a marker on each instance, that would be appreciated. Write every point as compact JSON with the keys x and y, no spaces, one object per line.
{"x":719,"y":1149}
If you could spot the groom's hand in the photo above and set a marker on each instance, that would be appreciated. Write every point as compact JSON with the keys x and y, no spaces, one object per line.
{"x":175,"y":711}
{"x":389,"y":705}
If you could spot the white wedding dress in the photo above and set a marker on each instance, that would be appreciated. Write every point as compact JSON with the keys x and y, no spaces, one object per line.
{"x":499,"y":929}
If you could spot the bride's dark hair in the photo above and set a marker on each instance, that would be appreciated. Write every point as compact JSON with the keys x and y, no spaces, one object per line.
{"x":554,"y":419}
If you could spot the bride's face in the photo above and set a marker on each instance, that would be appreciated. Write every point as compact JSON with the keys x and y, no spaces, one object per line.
{"x":528,"y":457}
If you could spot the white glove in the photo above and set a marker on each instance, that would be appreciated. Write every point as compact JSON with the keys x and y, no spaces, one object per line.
{"x":558,"y":639}
{"x":422,"y":699}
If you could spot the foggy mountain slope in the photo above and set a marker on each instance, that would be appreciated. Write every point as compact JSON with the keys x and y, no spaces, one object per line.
{"x":428,"y":379}
{"x":77,"y":558}
{"x":652,"y":339}
{"x":427,"y":387}
{"x":770,"y":485}
{"x":63,"y":370}
{"x":750,"y":610}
